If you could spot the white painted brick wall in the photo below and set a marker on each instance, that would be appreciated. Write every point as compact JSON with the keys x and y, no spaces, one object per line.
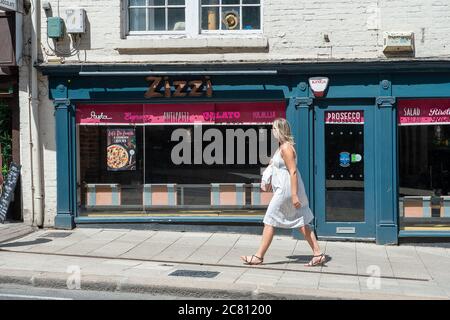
{"x":294,"y":28}
{"x":25,"y":155}
{"x":47,"y":125}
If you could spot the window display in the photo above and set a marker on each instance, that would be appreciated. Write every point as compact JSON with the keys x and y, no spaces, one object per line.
{"x":144,"y":158}
{"x":424,"y":161}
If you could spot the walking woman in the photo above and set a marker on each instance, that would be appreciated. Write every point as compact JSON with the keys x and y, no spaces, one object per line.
{"x":289,"y":207}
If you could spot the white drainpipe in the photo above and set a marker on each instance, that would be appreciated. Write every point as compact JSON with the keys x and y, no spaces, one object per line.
{"x":35,"y":141}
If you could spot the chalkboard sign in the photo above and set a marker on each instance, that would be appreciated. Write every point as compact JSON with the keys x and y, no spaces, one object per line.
{"x":8,"y":190}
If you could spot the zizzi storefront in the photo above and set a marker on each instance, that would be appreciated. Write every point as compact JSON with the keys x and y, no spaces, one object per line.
{"x":188,"y":146}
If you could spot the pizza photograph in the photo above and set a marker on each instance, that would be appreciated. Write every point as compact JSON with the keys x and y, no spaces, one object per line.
{"x":117,"y":156}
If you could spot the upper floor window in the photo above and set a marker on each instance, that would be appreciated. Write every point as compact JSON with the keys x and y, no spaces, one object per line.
{"x":227,"y":15}
{"x":193,"y":17}
{"x":157,"y":15}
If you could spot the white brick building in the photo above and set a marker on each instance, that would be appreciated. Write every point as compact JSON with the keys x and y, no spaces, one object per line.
{"x":303,"y":32}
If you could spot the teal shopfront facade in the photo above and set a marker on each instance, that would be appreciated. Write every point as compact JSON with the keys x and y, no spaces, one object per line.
{"x":351,"y":143}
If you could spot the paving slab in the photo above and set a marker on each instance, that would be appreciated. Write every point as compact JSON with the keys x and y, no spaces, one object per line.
{"x":175,"y":252}
{"x":12,"y":230}
{"x":260,"y":277}
{"x":208,"y":254}
{"x":223,"y":239}
{"x":147,"y":250}
{"x":299,"y":279}
{"x":380,"y":286}
{"x":429,"y":289}
{"x":342,"y":283}
{"x":375,"y":267}
{"x":84,"y":247}
{"x":107,"y":235}
{"x":113,"y":249}
{"x":136,"y":236}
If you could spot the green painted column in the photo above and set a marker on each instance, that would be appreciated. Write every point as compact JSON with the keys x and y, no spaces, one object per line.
{"x":65,"y":164}
{"x":300,"y":114}
{"x":386,"y":165}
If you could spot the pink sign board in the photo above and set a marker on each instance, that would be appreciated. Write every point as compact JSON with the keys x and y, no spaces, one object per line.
{"x":224,"y":112}
{"x":344,"y":117}
{"x":423,"y":112}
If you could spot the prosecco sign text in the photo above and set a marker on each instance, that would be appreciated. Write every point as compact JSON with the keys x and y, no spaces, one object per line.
{"x":163,"y":87}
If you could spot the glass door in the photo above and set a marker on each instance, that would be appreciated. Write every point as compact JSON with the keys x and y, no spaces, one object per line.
{"x":344,"y":172}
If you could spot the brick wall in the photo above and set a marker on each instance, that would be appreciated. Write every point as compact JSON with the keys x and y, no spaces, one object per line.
{"x":294,"y":29}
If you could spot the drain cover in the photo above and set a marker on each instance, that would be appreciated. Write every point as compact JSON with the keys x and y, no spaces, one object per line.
{"x":194,"y":273}
{"x":57,"y":234}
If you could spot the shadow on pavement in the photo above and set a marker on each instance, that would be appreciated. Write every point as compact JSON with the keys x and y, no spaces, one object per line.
{"x":301,"y":259}
{"x":426,"y":242}
{"x":25,"y":243}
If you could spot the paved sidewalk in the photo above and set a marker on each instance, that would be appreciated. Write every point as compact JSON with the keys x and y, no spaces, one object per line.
{"x":138,"y":260}
{"x":13,"y":230}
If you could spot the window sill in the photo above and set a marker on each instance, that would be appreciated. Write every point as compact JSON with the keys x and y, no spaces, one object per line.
{"x":216,"y":44}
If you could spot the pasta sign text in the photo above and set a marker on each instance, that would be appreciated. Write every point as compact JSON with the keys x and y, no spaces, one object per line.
{"x":162,"y":87}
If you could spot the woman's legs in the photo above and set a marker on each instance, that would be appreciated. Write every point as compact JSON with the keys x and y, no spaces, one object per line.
{"x":312,"y":241}
{"x":266,"y":240}
{"x":311,"y":238}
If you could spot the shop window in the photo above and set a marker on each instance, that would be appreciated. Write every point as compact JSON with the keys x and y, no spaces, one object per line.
{"x":164,"y":161}
{"x":424,"y":163}
{"x":230,"y":15}
{"x":111,"y":172}
{"x":156,"y":15}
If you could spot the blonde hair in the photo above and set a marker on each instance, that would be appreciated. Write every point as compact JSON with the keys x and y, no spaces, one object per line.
{"x":283,"y":131}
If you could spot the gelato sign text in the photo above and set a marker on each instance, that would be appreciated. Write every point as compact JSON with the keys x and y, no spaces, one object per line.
{"x":8,"y":5}
{"x":162,"y":87}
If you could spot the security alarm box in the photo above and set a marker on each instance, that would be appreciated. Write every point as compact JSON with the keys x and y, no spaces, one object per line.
{"x":55,"y":27}
{"x":75,"y":20}
{"x":398,"y":42}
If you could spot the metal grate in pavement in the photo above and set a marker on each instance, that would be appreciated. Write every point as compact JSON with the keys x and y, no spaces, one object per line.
{"x":194,"y":273}
{"x":57,"y":234}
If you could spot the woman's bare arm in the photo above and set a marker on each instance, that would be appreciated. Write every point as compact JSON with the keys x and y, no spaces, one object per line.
{"x":288,"y":155}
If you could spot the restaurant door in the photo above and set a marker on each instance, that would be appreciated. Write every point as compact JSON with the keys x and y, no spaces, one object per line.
{"x":344,"y":172}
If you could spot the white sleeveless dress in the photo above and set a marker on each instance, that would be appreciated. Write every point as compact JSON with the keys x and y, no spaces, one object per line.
{"x":281,"y":212}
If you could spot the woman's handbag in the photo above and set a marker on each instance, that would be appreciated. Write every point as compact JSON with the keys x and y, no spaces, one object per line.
{"x":266,"y":179}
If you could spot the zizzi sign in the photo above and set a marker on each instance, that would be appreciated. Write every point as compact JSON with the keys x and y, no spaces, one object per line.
{"x":423,"y":112}
{"x":162,"y":88}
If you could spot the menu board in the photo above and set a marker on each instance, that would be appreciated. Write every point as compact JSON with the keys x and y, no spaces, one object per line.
{"x":8,"y":190}
{"x":121,"y":149}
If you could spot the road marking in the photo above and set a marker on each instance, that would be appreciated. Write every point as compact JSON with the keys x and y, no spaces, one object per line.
{"x":31,"y":297}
